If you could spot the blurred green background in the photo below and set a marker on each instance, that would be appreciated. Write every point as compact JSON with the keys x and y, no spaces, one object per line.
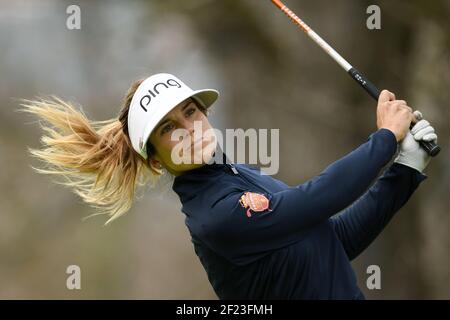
{"x":270,"y":75}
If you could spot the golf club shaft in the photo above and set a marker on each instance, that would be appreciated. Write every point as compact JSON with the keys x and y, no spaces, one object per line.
{"x":429,"y":146}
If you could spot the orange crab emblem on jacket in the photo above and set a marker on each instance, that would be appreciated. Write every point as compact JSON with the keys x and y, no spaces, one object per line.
{"x":255,"y":202}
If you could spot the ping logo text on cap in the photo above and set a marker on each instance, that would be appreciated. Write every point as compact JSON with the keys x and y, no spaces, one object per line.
{"x":148,"y":97}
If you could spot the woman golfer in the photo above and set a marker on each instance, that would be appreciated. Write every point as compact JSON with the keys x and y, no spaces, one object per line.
{"x":256,"y":237}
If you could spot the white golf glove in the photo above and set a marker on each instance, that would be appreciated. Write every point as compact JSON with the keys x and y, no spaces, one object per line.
{"x":411,"y":154}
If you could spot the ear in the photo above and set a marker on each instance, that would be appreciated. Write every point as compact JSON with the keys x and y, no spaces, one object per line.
{"x":155,"y":165}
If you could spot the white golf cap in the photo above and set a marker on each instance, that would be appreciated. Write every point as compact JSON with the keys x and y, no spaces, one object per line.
{"x":154,"y":98}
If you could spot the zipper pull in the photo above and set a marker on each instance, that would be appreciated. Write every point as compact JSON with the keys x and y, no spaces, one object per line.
{"x":233,"y":169}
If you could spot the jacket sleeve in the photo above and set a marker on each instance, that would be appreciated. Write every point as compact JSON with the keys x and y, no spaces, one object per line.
{"x":293,"y":211}
{"x":358,"y":225}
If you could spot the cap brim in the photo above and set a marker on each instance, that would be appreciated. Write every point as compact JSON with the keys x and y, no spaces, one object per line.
{"x":207,"y":96}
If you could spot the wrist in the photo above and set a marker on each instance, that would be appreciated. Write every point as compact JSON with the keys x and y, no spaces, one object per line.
{"x":391,"y":131}
{"x":409,"y":164}
{"x":415,"y":161}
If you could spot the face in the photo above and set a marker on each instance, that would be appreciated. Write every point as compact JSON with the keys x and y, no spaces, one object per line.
{"x":184,"y":132}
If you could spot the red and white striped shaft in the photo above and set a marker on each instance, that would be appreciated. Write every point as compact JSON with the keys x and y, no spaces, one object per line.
{"x":314,"y":36}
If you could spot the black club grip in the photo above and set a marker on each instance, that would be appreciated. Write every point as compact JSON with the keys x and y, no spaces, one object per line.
{"x":429,"y":146}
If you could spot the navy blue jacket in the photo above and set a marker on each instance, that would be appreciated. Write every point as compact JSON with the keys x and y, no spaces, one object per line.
{"x":301,"y":246}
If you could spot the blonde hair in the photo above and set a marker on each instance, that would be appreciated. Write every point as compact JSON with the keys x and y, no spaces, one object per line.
{"x":95,"y":158}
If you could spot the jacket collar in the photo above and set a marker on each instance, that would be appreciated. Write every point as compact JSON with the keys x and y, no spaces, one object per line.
{"x":187,"y":184}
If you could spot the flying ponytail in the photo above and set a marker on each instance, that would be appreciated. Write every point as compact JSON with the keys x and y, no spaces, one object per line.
{"x":94,"y":158}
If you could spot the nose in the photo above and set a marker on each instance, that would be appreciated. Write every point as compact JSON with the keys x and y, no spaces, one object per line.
{"x":187,"y":125}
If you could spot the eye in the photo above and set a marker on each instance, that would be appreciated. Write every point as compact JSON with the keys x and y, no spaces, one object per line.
{"x":166,"y":128}
{"x":190,"y":111}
